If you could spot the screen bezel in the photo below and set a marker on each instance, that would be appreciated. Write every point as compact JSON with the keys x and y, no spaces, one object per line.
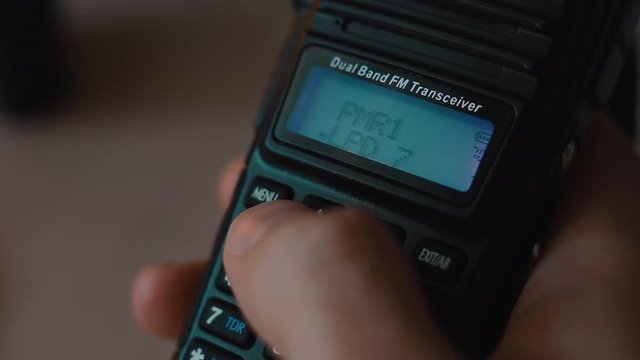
{"x":497,"y":112}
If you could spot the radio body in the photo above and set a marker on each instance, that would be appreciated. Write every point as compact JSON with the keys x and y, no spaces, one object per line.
{"x":450,"y":120}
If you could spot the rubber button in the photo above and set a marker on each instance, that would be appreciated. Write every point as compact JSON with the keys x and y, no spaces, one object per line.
{"x":439,"y":262}
{"x":223,"y":283}
{"x":226,"y":321}
{"x":318,"y":203}
{"x":271,"y":353}
{"x":399,"y":233}
{"x":201,"y":350}
{"x":263,"y":191}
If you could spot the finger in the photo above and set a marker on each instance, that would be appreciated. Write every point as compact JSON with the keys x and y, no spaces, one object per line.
{"x":328,"y":287}
{"x":163,"y":297}
{"x":228,"y":182}
{"x":581,"y":300}
{"x":602,"y":191}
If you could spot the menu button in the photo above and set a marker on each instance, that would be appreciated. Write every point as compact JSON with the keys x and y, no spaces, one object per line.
{"x":263,"y":191}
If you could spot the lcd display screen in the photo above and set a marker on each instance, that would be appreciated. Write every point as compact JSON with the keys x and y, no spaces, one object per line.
{"x":415,"y":136}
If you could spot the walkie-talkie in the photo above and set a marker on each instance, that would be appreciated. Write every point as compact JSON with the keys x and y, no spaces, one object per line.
{"x":450,"y":120}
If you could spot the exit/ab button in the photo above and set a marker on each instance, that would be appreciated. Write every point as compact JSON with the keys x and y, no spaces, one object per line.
{"x":439,"y":262}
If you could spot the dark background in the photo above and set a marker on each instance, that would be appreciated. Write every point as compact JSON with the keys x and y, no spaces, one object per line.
{"x":125,"y":173}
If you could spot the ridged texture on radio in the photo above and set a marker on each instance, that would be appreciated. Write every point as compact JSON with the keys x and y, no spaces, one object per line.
{"x":502,"y":38}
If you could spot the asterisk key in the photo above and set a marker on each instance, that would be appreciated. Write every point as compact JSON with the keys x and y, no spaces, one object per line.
{"x":197,"y":354}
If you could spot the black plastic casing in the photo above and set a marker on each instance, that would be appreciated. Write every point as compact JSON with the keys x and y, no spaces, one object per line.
{"x":550,"y":62}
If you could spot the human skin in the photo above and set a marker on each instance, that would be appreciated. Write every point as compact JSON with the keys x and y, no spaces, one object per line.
{"x":323,"y":294}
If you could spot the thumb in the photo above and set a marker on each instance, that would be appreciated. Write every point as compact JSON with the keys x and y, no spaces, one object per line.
{"x":328,"y":287}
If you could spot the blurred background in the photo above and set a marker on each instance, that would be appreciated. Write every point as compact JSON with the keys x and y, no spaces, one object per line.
{"x":164,"y":93}
{"x":124,"y":172}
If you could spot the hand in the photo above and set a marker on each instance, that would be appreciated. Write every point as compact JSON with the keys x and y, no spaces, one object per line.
{"x":337,"y":287}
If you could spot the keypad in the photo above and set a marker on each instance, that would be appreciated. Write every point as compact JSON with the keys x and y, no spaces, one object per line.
{"x":223,"y":283}
{"x":263,"y":191}
{"x":398,"y":233}
{"x":271,"y":353}
{"x":439,"y":262}
{"x":318,"y":203}
{"x":435,"y":261}
{"x":225,"y":321}
{"x":201,"y":350}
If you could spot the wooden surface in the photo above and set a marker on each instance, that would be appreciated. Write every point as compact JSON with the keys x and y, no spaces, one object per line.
{"x":126,"y":174}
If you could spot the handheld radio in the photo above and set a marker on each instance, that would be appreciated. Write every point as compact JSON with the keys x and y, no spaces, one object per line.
{"x":450,"y":120}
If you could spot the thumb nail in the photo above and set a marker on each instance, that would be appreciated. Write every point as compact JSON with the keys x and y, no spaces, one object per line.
{"x":247,"y":230}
